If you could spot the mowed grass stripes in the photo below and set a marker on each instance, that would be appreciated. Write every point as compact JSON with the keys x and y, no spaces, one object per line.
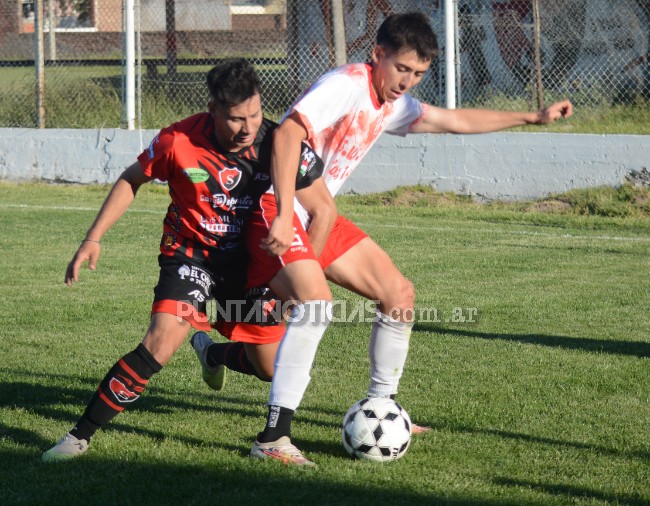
{"x":540,"y":396}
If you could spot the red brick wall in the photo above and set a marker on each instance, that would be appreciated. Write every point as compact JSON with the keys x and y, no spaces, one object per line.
{"x":10,"y":16}
{"x":258,"y":22}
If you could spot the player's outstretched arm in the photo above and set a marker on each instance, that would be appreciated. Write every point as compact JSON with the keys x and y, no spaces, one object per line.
{"x":115,"y":205}
{"x":285,"y":160}
{"x":476,"y":121}
{"x":318,"y":202}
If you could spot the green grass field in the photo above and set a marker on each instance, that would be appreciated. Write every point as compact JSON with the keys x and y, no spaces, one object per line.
{"x":543,"y":399}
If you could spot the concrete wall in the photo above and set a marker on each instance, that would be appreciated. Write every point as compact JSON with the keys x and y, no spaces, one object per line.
{"x":494,"y":166}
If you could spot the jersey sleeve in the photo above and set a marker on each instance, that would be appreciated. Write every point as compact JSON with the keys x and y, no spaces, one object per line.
{"x":310,"y":169}
{"x":155,"y":159}
{"x":407,"y":111}
{"x":327,"y":101}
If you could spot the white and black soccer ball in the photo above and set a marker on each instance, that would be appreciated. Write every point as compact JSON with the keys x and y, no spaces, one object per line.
{"x":377,"y":429}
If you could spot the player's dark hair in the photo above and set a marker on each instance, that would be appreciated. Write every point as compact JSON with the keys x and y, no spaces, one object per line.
{"x":410,"y":30}
{"x":232,"y":82}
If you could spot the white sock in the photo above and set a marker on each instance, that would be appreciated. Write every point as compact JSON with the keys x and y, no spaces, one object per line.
{"x":297,"y":351}
{"x":389,"y":346}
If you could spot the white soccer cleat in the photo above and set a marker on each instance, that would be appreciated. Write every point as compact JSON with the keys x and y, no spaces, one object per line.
{"x":215,"y":377}
{"x":67,"y":448}
{"x":281,"y":450}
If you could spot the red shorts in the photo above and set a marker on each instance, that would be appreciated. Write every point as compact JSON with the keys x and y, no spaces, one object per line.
{"x":263,"y":266}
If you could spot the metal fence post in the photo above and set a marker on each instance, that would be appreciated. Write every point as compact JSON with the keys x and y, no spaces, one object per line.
{"x":450,"y":70}
{"x":39,"y":64}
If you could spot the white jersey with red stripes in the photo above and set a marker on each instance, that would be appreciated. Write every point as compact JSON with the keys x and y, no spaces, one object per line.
{"x":344,"y":118}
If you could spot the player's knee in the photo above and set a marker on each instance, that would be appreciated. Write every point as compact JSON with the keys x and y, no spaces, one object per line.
{"x":399,"y":305}
{"x":164,"y":336}
{"x":264,"y":373}
{"x":409,"y":294}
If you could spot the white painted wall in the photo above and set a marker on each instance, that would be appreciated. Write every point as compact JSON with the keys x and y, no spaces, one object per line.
{"x":502,"y":165}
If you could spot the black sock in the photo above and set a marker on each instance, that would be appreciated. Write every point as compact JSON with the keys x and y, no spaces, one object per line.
{"x":232,"y":355}
{"x":278,"y":424}
{"x":123,"y":384}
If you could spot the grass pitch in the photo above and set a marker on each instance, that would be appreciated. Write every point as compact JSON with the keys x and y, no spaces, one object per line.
{"x":530,"y":360}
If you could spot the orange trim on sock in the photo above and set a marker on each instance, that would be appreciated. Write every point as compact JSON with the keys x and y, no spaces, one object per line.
{"x":109,"y":402}
{"x":133,"y":374}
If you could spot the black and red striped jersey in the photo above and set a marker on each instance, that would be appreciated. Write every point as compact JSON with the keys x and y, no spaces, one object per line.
{"x":212,"y":191}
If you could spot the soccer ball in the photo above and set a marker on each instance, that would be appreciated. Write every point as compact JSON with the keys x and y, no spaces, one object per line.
{"x":377,"y":429}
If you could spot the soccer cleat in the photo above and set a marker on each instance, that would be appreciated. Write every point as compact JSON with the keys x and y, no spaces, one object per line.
{"x":215,"y":377}
{"x":419,"y":429}
{"x":281,"y":450}
{"x":67,"y":448}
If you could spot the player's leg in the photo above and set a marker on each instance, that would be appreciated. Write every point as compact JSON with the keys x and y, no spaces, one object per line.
{"x":262,"y":356}
{"x":252,"y":321}
{"x":124,"y":383}
{"x":248,"y":318}
{"x":367,"y":270}
{"x":296,"y":276}
{"x":354,"y":261}
{"x":254,"y":357}
{"x":304,"y":283}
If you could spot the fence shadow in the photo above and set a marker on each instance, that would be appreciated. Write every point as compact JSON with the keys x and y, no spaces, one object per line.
{"x":622,"y":347}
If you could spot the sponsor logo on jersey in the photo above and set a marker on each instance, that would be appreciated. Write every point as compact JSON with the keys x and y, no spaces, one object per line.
{"x":223,"y":201}
{"x":229,"y":178}
{"x":261,"y":176}
{"x":307,"y":161}
{"x":196,"y":175}
{"x":216,"y":227}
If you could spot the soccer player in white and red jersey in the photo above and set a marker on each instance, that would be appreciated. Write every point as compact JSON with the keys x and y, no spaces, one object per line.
{"x":341,"y":116}
{"x":216,"y":165}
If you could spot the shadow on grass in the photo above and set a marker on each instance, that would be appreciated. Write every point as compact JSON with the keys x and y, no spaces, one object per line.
{"x":630,"y":348}
{"x":46,"y":401}
{"x":566,"y":491}
{"x":33,"y":395}
{"x":92,"y":479}
{"x":235,"y":480}
{"x":517,"y":436}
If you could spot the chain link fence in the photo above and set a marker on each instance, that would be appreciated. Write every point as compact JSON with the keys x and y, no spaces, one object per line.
{"x":510,"y":54}
{"x":593,"y":51}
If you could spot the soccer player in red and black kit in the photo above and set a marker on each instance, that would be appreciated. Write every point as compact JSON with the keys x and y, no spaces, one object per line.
{"x":217,"y":167}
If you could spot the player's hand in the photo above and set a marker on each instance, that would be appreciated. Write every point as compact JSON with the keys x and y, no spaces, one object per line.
{"x":281,"y":235}
{"x":563,"y":109}
{"x":88,"y":251}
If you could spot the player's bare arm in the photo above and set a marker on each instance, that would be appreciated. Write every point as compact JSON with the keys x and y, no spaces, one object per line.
{"x":318,"y":202}
{"x":475,"y":121}
{"x":285,"y":160}
{"x":118,"y":201}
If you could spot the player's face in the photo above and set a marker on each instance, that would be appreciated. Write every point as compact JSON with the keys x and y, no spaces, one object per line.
{"x":395,"y":73}
{"x":236,"y":128}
